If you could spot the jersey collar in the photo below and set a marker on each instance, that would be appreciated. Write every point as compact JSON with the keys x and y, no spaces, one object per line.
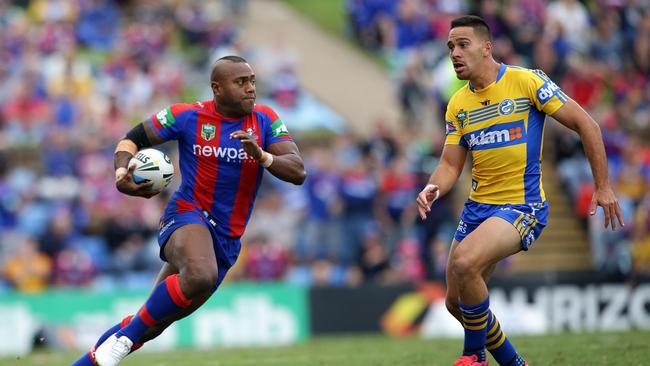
{"x":212,"y":107}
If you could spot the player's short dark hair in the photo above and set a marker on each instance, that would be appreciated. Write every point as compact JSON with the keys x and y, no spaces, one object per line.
{"x":481,"y":28}
{"x":231,"y":58}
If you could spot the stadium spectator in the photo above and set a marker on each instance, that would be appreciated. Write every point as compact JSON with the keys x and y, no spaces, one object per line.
{"x":265,"y":260}
{"x":73,"y":267}
{"x":28,"y":270}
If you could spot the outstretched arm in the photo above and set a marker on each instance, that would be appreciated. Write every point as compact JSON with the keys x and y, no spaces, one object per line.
{"x":574,"y":117}
{"x":282,"y":158}
{"x":443,"y":178}
{"x":139,"y":137}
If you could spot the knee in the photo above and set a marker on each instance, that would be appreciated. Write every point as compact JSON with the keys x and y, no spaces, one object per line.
{"x":197,"y":280}
{"x":463,"y":266}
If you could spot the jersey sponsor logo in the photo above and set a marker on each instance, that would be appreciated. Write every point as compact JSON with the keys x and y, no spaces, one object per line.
{"x":498,"y":135}
{"x":208,"y":131}
{"x":485,"y":102}
{"x":229,"y":154}
{"x":547,"y":91}
{"x":279,"y":129}
{"x":462,"y":227}
{"x":165,"y":117}
{"x":529,"y":239}
{"x":449,"y":127}
{"x":506,"y":107}
{"x":164,"y":226}
{"x":210,"y":218}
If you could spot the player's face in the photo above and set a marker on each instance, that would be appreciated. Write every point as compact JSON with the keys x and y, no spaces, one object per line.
{"x":467,"y":51}
{"x":235,"y":90}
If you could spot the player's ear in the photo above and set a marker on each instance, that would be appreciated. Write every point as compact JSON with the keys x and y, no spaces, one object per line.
{"x":215,"y":87}
{"x":487,"y":48}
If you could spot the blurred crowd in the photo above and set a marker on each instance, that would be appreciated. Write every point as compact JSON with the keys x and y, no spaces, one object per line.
{"x":77,"y":74}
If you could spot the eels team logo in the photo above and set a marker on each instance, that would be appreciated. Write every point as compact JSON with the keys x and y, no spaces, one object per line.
{"x":208,"y":131}
{"x":506,"y":107}
{"x":462,"y":117}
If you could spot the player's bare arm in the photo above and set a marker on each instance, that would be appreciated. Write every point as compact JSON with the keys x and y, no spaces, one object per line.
{"x":140,"y":136}
{"x":282,"y":159}
{"x":574,"y":117}
{"x":443,"y":178}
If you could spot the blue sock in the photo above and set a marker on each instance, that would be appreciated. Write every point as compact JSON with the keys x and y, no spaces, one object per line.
{"x":166,"y":299}
{"x":112,"y":330}
{"x":498,"y":344}
{"x":475,"y":319}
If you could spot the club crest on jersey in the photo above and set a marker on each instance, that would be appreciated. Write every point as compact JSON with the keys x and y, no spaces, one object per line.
{"x":506,"y":107}
{"x":462,"y":117}
{"x":208,"y":131}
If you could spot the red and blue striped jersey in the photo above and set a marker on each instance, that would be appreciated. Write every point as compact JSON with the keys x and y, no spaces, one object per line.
{"x":217,"y":174}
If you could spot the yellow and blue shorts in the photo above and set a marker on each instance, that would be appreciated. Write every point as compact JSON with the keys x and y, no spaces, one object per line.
{"x":529,"y":219}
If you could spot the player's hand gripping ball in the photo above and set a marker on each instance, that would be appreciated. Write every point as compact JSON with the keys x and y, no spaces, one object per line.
{"x":154,"y":166}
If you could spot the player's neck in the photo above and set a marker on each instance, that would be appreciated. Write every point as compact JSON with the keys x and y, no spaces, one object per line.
{"x":226,"y":112}
{"x":484,"y":79}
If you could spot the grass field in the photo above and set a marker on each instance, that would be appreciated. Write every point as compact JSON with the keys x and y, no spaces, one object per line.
{"x":558,"y":350}
{"x":329,"y":14}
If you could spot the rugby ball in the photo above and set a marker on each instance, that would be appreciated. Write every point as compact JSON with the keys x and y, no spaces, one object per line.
{"x":152,"y":165}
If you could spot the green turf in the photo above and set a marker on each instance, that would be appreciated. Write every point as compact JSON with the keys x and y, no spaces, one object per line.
{"x":329,"y":14}
{"x":566,"y":349}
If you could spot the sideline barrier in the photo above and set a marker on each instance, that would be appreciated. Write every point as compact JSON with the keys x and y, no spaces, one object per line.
{"x":238,"y":315}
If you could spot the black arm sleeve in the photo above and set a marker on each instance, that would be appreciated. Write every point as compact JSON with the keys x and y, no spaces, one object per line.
{"x":139,"y":136}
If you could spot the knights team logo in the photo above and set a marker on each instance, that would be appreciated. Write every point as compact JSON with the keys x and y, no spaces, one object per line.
{"x":462,"y":117}
{"x":208,"y":131}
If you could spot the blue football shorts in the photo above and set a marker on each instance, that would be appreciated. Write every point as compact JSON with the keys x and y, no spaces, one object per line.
{"x":226,"y":249}
{"x":529,"y":219}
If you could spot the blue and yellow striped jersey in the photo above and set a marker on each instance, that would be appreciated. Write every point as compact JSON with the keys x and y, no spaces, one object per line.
{"x":502,"y":126}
